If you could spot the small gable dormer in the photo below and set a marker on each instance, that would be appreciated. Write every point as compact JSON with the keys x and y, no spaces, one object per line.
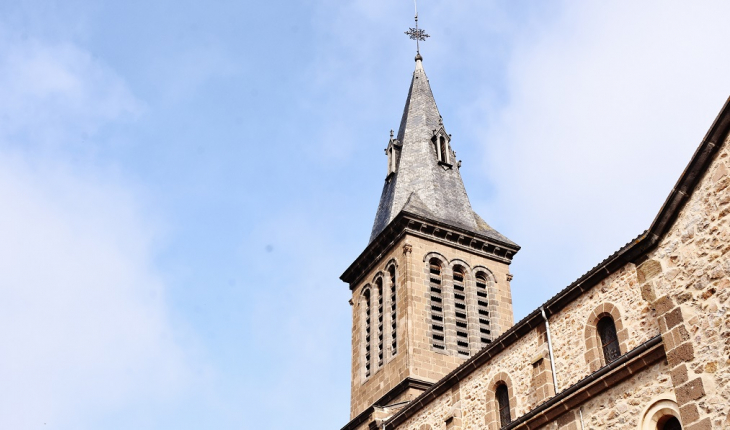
{"x":393,"y":153}
{"x":442,"y":142}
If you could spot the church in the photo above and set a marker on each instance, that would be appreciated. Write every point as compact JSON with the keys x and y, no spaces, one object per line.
{"x":641,"y":341}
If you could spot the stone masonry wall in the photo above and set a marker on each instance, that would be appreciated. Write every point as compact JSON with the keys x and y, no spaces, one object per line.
{"x":416,"y":357}
{"x":568,"y":327}
{"x":513,"y":367}
{"x":687,"y":279}
{"x":477,"y":407}
{"x":622,"y":406}
{"x":429,"y":363}
{"x":682,"y":291}
{"x":365,"y":391}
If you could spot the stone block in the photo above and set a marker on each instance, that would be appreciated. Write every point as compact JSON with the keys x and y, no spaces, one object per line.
{"x":708,"y":293}
{"x":674,"y":317}
{"x":669,"y":342}
{"x":663,"y":304}
{"x":689,"y":413}
{"x":681,"y":334}
{"x":680,"y":354}
{"x":647,"y":293}
{"x":679,"y":375}
{"x":705,"y":424}
{"x":648,"y":270}
{"x":692,"y":390}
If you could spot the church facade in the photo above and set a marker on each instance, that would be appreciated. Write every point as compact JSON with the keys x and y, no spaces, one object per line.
{"x":641,"y":341}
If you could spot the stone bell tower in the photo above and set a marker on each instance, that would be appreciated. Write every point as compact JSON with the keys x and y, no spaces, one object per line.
{"x":432,"y":287}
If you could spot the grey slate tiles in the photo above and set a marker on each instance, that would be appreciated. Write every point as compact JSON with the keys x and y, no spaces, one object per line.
{"x":421,"y":185}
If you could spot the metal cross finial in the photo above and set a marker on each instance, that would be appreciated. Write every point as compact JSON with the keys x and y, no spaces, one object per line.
{"x":417,"y":34}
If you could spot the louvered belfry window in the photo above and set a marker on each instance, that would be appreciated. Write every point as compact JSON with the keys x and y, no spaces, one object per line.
{"x":437,"y":305}
{"x":502,"y":395}
{"x":462,"y":326}
{"x":366,"y":300}
{"x":379,"y":287}
{"x":609,"y":340}
{"x":483,"y":308}
{"x":393,"y":313}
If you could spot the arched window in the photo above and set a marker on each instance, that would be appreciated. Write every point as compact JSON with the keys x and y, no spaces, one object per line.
{"x":609,"y":340}
{"x":379,"y":288}
{"x":670,"y":424}
{"x":393,"y":313}
{"x":462,"y":327}
{"x":502,"y":394}
{"x":437,"y":305}
{"x":366,"y":326}
{"x":483,"y":308}
{"x":662,"y":415}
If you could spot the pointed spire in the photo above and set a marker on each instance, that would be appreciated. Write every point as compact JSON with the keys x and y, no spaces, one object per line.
{"x":427,"y":181}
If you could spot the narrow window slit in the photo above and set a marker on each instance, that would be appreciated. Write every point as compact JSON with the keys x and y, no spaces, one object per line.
{"x":393,"y":313}
{"x":367,"y":340}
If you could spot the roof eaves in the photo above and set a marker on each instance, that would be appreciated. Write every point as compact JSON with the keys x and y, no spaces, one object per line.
{"x":394,"y":231}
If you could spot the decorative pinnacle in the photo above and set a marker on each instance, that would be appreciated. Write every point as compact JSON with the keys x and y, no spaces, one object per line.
{"x":417,"y":34}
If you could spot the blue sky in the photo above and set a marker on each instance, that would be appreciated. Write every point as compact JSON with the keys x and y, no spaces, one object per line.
{"x":184,"y":182}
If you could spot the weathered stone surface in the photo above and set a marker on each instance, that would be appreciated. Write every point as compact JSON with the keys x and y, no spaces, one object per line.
{"x":663,"y":305}
{"x":648,"y":270}
{"x":647,"y":293}
{"x":689,"y":413}
{"x":679,"y":375}
{"x":705,"y":424}
{"x":680,"y":354}
{"x":691,"y":390}
{"x":674,"y":317}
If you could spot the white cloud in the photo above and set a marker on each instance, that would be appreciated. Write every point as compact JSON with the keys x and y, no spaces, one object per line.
{"x":57,"y":94}
{"x":84,"y":327}
{"x":606,"y":106}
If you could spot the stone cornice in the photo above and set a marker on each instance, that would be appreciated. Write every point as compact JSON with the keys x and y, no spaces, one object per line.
{"x":420,"y":226}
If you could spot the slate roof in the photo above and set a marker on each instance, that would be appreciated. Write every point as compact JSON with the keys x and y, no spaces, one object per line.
{"x":420,"y":184}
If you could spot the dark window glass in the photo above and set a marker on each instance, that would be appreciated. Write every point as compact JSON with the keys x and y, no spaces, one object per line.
{"x":609,"y":339}
{"x":671,"y":424}
{"x":503,"y":402}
